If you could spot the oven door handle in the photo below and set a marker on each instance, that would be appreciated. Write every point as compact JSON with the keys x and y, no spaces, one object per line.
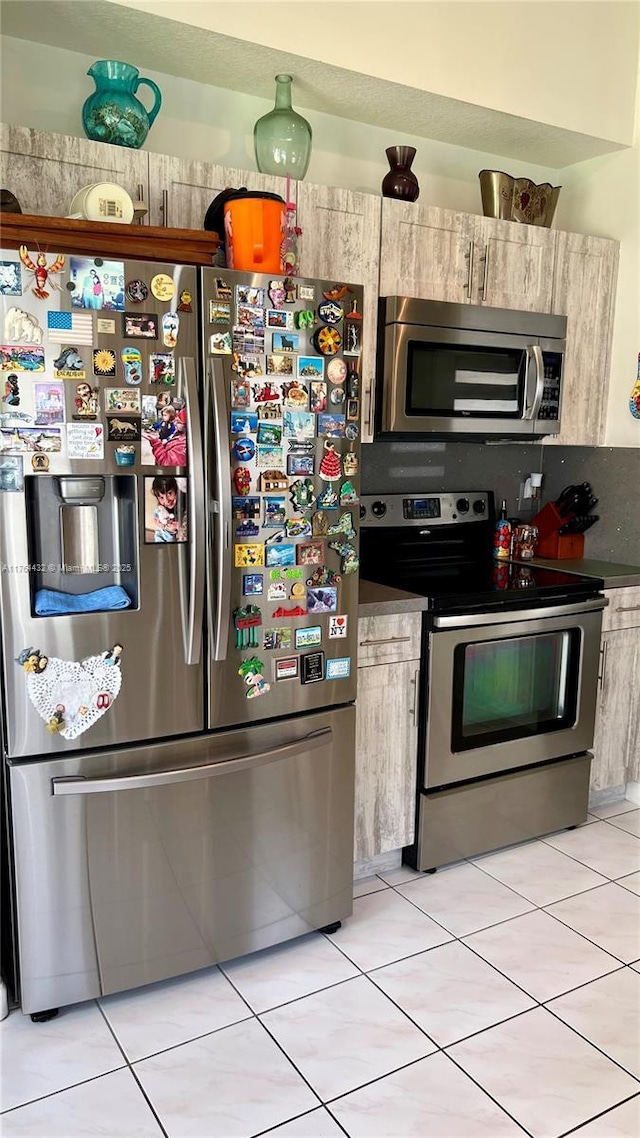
{"x":475,"y":620}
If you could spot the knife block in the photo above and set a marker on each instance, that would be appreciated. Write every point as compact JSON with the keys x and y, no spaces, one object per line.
{"x":558,"y":546}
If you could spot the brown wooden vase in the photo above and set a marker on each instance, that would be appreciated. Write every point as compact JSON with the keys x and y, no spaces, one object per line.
{"x":400,"y":182}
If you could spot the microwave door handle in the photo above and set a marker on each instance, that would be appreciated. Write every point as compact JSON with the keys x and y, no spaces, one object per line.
{"x":220,"y":509}
{"x":192,"y":575}
{"x":534,"y":379}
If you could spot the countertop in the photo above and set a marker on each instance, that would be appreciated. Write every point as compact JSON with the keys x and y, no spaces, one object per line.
{"x":381,"y":600}
{"x":615,"y":576}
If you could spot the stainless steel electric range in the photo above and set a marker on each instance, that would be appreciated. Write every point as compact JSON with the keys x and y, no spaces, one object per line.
{"x":509,"y":675}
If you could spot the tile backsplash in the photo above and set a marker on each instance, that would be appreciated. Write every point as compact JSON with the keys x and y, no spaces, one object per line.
{"x":396,"y":467}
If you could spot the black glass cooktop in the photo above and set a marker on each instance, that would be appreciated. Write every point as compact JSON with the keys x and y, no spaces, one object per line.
{"x":441,"y":547}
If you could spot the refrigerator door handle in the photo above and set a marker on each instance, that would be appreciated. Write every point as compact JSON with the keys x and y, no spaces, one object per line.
{"x":220,"y":511}
{"x":192,"y":576}
{"x":313,"y":741}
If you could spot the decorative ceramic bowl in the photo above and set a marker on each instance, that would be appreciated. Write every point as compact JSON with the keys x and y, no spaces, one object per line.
{"x":517,"y":199}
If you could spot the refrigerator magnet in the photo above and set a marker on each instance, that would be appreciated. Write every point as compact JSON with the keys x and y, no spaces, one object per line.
{"x":305,"y":318}
{"x":351,"y":431}
{"x":285,"y":342}
{"x":280,"y":365}
{"x":124,"y":430}
{"x":252,"y":585}
{"x":312,"y":667}
{"x":290,"y":290}
{"x":286,"y":668}
{"x":299,"y":425}
{"x":21,"y":327}
{"x":104,"y":363}
{"x":338,"y":292}
{"x":68,"y":365}
{"x":343,"y":526}
{"x":105,"y":327}
{"x":272,"y":480}
{"x":298,"y":591}
{"x":21,"y":359}
{"x":96,"y":284}
{"x":277,"y":639}
{"x":251,"y":671}
{"x":297,"y":527}
{"x":253,"y":297}
{"x":123,"y":399}
{"x":308,"y":637}
{"x":310,"y":367}
{"x":352,"y":339}
{"x":331,"y":425}
{"x":322,"y":600}
{"x":163,"y":287}
{"x":219,"y":313}
{"x":320,"y":523}
{"x":222,"y":289}
{"x":328,"y":340}
{"x":245,"y":509}
{"x":240,"y":394}
{"x":337,"y":396}
{"x":136,"y":291}
{"x":165,"y":510}
{"x":330,"y":312}
{"x":244,"y":449}
{"x":267,"y":392}
{"x":348,"y":493}
{"x":170,"y":329}
{"x":269,"y":434}
{"x":327,"y":499}
{"x":275,"y":512}
{"x":295,"y":395}
{"x":244,"y":422}
{"x":162,"y":368}
{"x":269,"y":458}
{"x":252,"y":318}
{"x":220,"y":344}
{"x":40,"y":463}
{"x":10,"y":278}
{"x":306,"y":292}
{"x":349,"y":560}
{"x":277,"y":293}
{"x":247,"y":367}
{"x":48,"y":404}
{"x":241,"y":480}
{"x":280,"y":554}
{"x":246,"y":622}
{"x":247,"y":555}
{"x":300,"y":464}
{"x":353,"y":410}
{"x":280,"y":319}
{"x":318,"y":396}
{"x":350,"y":463}
{"x":11,"y":473}
{"x":323,"y":576}
{"x":302,"y":494}
{"x":132,"y":365}
{"x":247,"y":529}
{"x":310,"y":553}
{"x":277,"y":591}
{"x":139,"y":326}
{"x":339,"y":669}
{"x":338,"y":627}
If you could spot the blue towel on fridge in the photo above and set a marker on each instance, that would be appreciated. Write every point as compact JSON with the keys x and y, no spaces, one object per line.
{"x":49,"y":602}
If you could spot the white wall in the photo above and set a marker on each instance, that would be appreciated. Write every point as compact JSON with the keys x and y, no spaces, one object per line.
{"x":603,"y":198}
{"x":480,"y":51}
{"x":45,"y":88}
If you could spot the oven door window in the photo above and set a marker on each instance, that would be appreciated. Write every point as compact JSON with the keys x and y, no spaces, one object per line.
{"x":513,"y":688}
{"x":455,"y":380}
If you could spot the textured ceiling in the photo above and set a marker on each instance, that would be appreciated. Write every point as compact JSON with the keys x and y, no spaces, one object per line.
{"x":107,"y":31}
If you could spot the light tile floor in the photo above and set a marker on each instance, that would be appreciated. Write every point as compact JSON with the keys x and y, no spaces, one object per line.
{"x":500,"y":997}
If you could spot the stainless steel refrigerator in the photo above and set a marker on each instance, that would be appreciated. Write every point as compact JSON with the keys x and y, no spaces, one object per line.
{"x":179,"y":471}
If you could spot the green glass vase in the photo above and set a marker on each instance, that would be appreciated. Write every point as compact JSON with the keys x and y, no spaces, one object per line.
{"x":282,"y":138}
{"x":113,"y":114}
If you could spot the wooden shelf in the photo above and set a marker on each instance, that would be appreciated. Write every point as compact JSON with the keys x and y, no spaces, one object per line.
{"x":133,"y":242}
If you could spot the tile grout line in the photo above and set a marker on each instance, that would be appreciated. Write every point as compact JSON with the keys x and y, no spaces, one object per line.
{"x":603,"y":1114}
{"x":575,"y":1030}
{"x":131,"y":1069}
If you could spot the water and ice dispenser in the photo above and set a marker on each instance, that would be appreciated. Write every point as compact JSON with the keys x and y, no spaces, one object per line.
{"x":83,"y":536}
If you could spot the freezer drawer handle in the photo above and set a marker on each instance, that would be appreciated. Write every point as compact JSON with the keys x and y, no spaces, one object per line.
{"x":311,"y":742}
{"x":387,"y":640}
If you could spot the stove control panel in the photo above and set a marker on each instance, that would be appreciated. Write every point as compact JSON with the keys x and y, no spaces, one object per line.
{"x":416,"y":509}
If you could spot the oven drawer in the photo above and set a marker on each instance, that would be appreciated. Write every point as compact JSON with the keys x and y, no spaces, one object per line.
{"x":623,"y":610}
{"x":389,"y":639}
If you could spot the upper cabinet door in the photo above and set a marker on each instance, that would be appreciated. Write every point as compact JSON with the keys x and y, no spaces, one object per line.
{"x":584,"y":291}
{"x":45,"y":171}
{"x":426,"y":252}
{"x":514,"y":265}
{"x":341,"y":242}
{"x":182,"y":190}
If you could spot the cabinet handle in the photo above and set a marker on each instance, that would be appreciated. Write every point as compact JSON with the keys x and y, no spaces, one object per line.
{"x":164,"y":208}
{"x":469,"y":258}
{"x":370,"y":410}
{"x":603,"y":668}
{"x":387,"y":640}
{"x":629,"y":608}
{"x":483,"y":286}
{"x":414,"y":684}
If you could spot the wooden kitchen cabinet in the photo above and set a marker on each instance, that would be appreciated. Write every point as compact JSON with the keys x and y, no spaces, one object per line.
{"x":437,"y":254}
{"x":45,"y":171}
{"x":584,"y":286}
{"x":182,"y":189}
{"x":616,"y":745}
{"x":341,"y":241}
{"x":386,"y":733}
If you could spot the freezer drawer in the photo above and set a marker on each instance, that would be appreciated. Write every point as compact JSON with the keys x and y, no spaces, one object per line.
{"x":155,"y":861}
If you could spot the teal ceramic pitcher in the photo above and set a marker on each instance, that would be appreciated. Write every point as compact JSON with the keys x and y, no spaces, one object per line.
{"x":113,"y":114}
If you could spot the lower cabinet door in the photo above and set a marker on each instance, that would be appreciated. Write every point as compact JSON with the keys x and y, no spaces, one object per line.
{"x":386,"y":757}
{"x":616,"y":743}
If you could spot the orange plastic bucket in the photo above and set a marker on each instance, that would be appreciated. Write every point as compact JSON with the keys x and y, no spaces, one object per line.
{"x":254,"y":227}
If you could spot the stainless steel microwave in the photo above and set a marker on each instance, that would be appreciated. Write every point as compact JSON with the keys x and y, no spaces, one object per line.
{"x":468,"y":370}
